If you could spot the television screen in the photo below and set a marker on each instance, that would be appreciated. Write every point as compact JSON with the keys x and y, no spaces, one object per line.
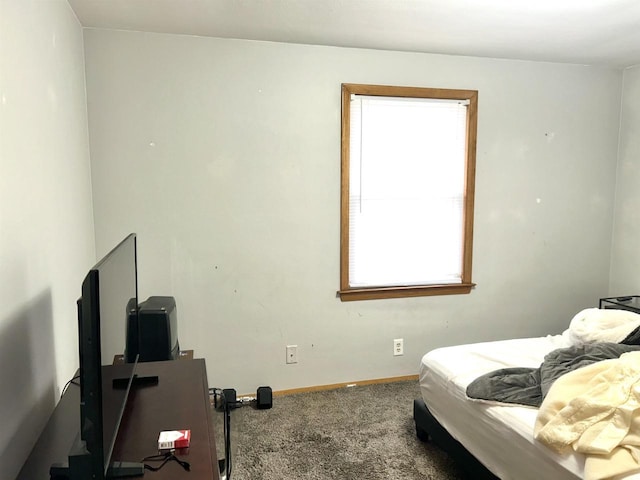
{"x":109,"y":302}
{"x":109,"y":295}
{"x":118,"y":296}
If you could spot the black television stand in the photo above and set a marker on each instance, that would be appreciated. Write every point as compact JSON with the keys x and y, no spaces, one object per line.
{"x":79,"y":465}
{"x":180,"y":399}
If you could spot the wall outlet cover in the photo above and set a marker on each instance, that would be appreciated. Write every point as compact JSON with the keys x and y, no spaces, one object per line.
{"x":292,"y":354}
{"x":398,"y":346}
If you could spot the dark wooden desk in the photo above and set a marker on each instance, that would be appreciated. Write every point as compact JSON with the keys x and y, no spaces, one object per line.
{"x":179,"y":401}
{"x":183,"y":355}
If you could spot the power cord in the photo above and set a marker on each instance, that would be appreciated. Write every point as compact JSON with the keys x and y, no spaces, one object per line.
{"x":66,"y":385}
{"x":227,"y":405}
{"x":227,"y":436}
{"x":164,"y":458}
{"x":228,"y":402}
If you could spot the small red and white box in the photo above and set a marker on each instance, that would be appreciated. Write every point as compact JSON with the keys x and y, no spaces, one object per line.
{"x":170,"y":439}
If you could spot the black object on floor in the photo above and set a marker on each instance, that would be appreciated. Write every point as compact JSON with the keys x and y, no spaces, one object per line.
{"x":264,"y":398}
{"x":428,"y":428}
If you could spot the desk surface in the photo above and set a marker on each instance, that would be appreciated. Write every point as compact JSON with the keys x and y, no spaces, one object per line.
{"x":182,"y":355}
{"x":179,"y":401}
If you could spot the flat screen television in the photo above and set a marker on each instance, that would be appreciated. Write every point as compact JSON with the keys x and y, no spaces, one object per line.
{"x":109,"y":296}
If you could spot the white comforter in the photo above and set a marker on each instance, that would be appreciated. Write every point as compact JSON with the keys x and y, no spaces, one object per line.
{"x":596,"y":410}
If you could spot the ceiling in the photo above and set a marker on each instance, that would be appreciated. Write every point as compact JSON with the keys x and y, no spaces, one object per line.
{"x":592,"y":32}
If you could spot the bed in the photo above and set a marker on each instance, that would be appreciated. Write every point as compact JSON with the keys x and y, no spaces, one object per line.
{"x":493,"y":439}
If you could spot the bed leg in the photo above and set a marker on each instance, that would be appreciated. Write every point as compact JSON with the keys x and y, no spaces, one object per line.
{"x":421,"y":434}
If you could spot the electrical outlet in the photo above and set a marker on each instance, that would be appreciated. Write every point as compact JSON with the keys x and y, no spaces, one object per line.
{"x":292,"y":354}
{"x":398,"y":346}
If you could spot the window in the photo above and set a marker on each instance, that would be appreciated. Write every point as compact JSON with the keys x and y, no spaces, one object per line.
{"x":407,"y":185}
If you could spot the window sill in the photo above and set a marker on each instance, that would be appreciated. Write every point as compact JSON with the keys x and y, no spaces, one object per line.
{"x":374,"y":293}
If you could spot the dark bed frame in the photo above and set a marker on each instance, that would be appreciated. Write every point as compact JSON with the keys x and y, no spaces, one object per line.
{"x":427,"y":427}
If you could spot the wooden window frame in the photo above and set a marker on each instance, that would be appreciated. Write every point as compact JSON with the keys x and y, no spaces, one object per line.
{"x":347,"y":293}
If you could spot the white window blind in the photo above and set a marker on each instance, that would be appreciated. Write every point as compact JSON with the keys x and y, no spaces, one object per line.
{"x":406,"y":191}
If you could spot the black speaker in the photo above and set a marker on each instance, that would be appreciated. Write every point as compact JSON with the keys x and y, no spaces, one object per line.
{"x":264,"y":398}
{"x":230,"y":398}
{"x":132,"y":348}
{"x":158,"y":329}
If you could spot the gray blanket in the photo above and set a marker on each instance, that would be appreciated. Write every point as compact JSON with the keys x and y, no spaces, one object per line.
{"x":529,"y":386}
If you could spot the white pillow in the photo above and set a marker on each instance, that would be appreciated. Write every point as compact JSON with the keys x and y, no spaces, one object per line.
{"x":595,"y":325}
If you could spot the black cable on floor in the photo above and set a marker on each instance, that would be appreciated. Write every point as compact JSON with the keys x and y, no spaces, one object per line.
{"x":227,"y":438}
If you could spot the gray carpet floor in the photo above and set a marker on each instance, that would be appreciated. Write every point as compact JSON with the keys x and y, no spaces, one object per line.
{"x":362,"y":432}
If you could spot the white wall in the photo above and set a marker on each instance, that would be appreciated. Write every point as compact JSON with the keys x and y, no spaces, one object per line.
{"x":625,"y":258}
{"x":224,"y":157}
{"x":46,"y":226}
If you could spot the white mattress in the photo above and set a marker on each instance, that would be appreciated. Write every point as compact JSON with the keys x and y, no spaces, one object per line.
{"x":499,"y":436}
